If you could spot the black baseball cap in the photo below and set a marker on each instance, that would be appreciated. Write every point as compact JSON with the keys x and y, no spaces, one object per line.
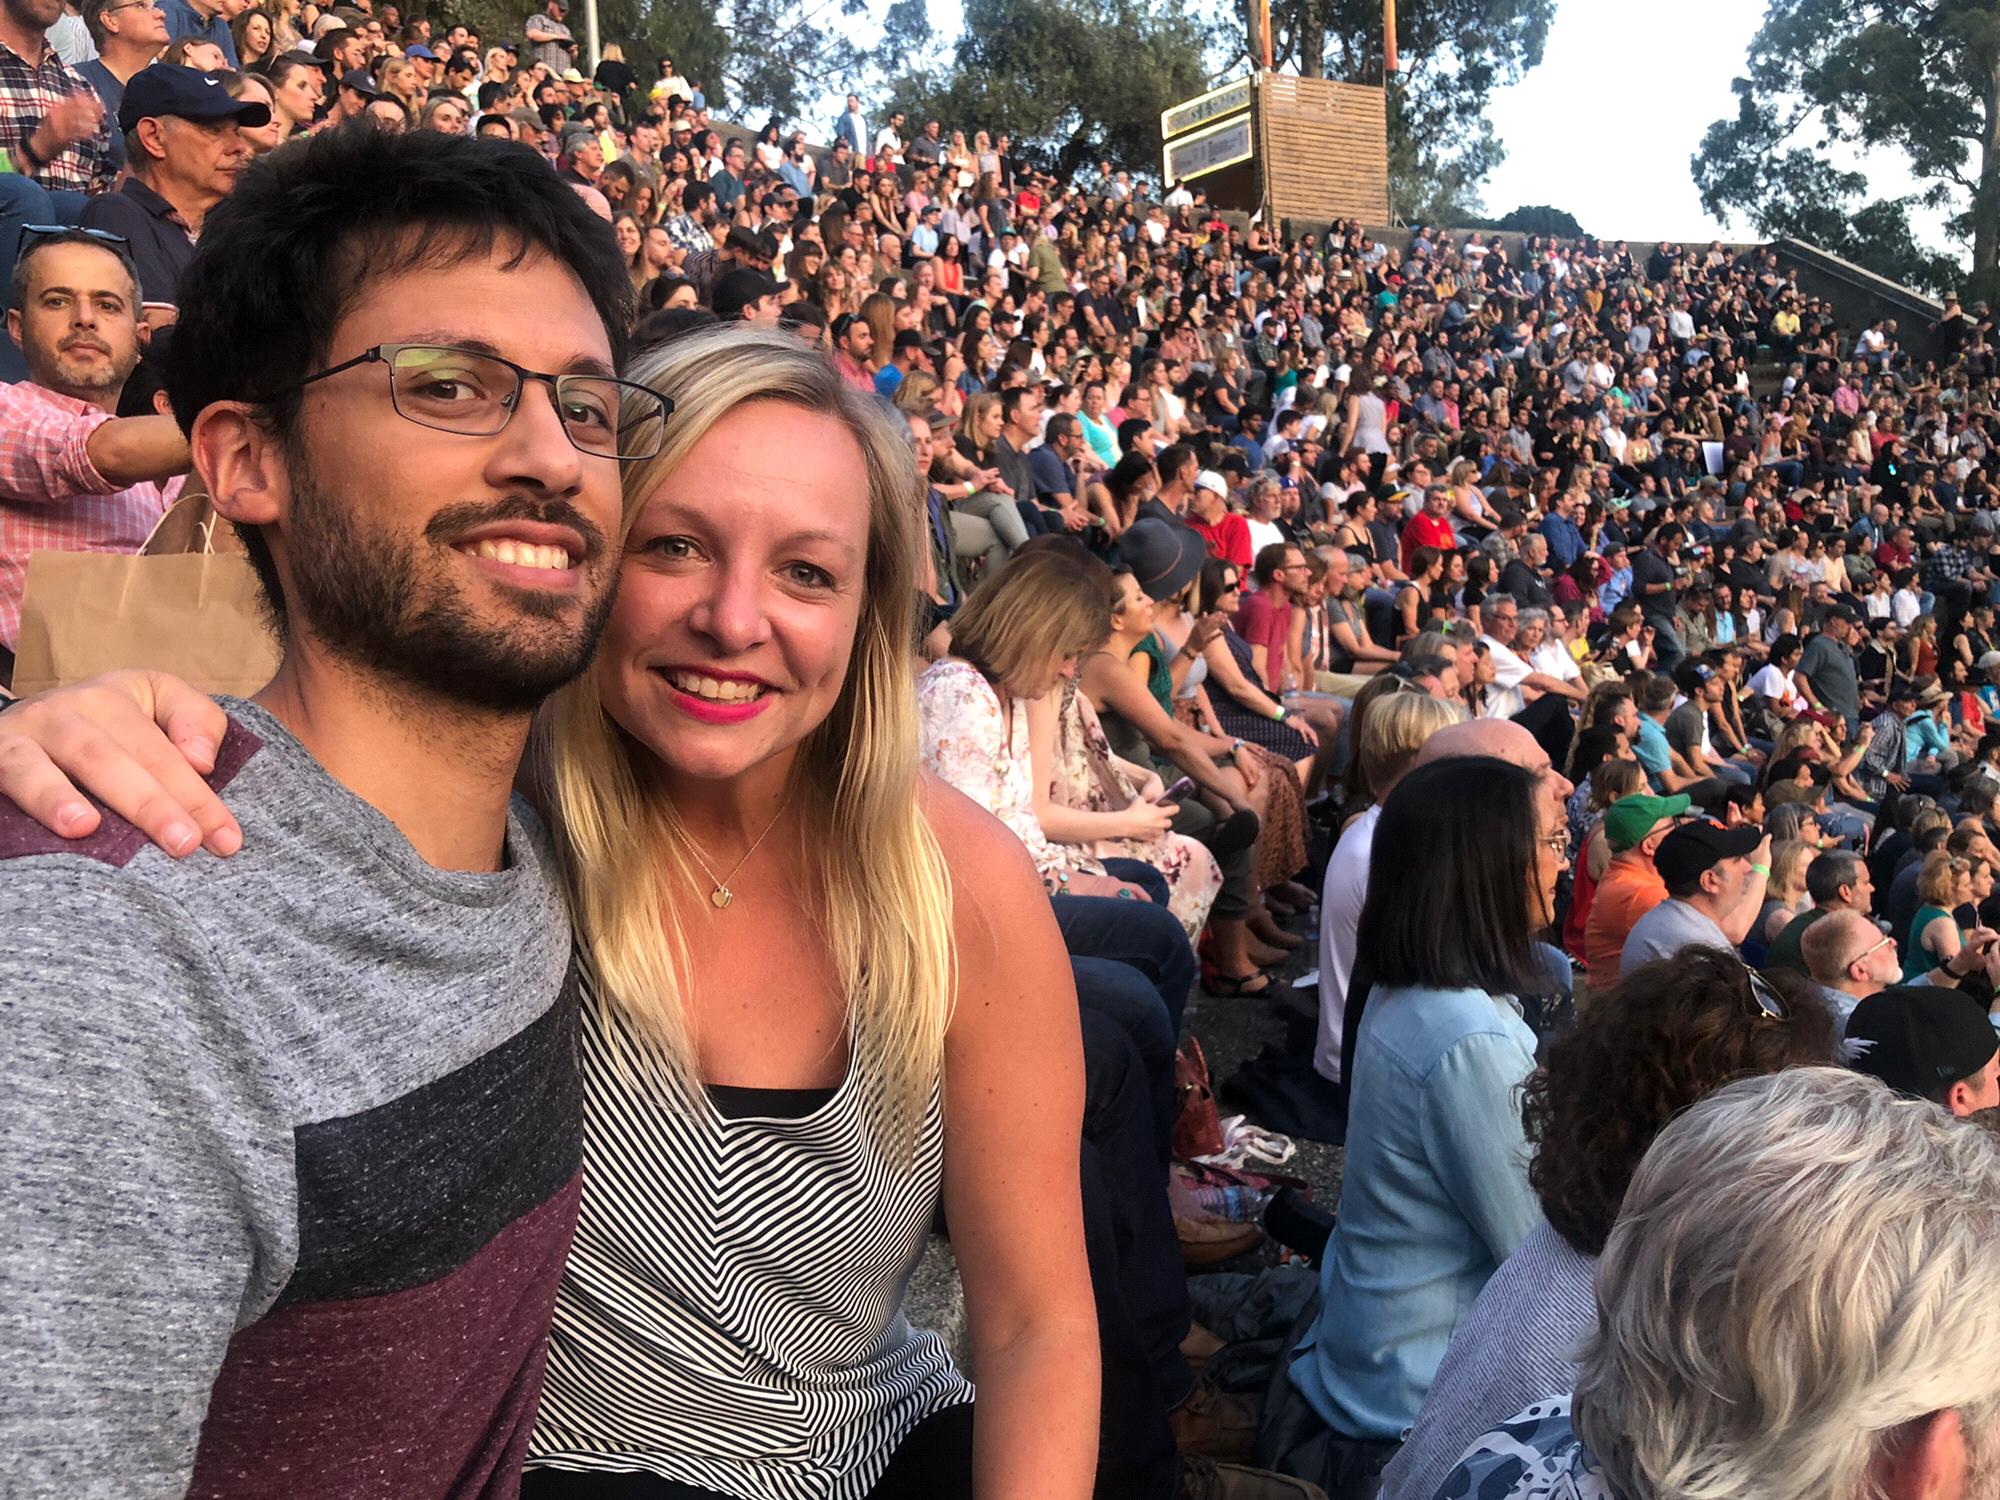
{"x":909,"y":338}
{"x":360,"y":80}
{"x":1693,"y":848}
{"x":186,"y":93}
{"x":1919,"y":1039}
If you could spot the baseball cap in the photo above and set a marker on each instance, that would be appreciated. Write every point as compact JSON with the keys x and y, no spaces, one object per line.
{"x":1213,"y":482}
{"x":1919,"y":1039}
{"x":185,"y":93}
{"x":909,"y":338}
{"x":360,"y":80}
{"x":418,"y":49}
{"x":737,"y":289}
{"x":1699,"y":846}
{"x":570,"y":75}
{"x":1630,"y":819}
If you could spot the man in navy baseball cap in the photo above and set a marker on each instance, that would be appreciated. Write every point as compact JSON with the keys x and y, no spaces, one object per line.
{"x":185,"y":149}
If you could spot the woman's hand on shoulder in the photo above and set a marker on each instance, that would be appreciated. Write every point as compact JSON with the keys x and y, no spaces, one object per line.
{"x":139,"y":742}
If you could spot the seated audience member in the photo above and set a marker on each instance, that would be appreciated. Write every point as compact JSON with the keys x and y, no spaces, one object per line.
{"x":1665,"y":1036}
{"x":1943,"y":886}
{"x":185,"y":150}
{"x":74,"y":477}
{"x":1715,"y":885}
{"x":1837,"y":880}
{"x":1610,"y":782}
{"x":1784,"y":896}
{"x":1928,"y":1043}
{"x":1741,"y":1350}
{"x":1630,"y":885}
{"x":1434,"y":1195}
{"x":1393,"y":732}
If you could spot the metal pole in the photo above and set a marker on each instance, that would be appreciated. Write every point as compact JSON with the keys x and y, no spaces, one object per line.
{"x":1388,"y":39}
{"x":590,"y":34}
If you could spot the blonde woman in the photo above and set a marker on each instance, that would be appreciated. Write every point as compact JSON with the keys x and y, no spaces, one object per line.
{"x":800,"y":1026}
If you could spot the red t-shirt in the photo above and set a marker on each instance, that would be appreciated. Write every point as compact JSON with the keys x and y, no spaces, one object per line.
{"x":1228,"y":538}
{"x":1263,"y":622}
{"x":1427,"y":531}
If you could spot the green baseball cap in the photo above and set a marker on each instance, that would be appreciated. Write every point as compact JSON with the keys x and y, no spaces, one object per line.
{"x":1630,"y":819}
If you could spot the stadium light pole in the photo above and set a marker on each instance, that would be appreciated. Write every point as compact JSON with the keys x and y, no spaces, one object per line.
{"x":590,"y":34}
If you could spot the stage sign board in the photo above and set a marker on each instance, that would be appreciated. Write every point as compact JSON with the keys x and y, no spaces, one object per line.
{"x":1221,"y":145}
{"x":1204,"y":108}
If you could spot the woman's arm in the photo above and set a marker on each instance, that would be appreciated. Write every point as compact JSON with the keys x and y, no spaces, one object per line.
{"x":1063,"y":824}
{"x":1940,"y":937}
{"x":1128,"y":697}
{"x":1473,"y":1138}
{"x":1013,"y":1120}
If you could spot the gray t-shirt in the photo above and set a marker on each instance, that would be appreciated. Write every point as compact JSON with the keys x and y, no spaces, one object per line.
{"x":293,"y":1144}
{"x":1829,"y":667}
{"x":1668,"y":928}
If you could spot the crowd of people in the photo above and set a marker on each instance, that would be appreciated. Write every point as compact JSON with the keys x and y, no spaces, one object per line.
{"x":935,"y":614}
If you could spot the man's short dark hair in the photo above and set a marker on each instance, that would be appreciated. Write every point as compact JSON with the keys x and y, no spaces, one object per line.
{"x":1011,"y":399}
{"x":33,"y":245}
{"x":1173,"y":458}
{"x":1061,"y":425}
{"x":1131,"y":430}
{"x":1829,"y":872}
{"x":287,"y":253}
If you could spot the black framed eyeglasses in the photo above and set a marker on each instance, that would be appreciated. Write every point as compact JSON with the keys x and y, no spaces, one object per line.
{"x":472,"y":393}
{"x":1770,"y":1004}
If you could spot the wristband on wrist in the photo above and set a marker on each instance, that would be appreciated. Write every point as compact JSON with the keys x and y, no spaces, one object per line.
{"x":1279,"y":716}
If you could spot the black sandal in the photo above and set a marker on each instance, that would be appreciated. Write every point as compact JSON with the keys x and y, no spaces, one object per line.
{"x":1238,"y":986}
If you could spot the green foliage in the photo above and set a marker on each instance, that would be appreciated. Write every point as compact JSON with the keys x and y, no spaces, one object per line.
{"x":1916,"y":79}
{"x":1453,"y":54}
{"x":1537,"y":218}
{"x":1070,"y":80}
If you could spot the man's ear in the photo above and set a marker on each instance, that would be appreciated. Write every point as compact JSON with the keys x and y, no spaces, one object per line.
{"x":14,"y":325}
{"x":1926,"y":1460}
{"x":242,"y":463}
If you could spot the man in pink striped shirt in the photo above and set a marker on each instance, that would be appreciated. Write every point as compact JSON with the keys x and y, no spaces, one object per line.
{"x":74,"y":476}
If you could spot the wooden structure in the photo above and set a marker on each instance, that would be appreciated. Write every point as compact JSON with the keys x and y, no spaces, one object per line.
{"x":1298,"y":148}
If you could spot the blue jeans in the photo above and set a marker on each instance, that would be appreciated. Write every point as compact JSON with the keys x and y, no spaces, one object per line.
{"x":1667,"y":647}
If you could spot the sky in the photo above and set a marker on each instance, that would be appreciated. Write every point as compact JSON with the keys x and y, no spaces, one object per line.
{"x":1606,"y":125}
{"x":1590,"y":132}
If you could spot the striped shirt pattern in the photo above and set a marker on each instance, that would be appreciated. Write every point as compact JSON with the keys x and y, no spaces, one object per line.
{"x":731,"y":1315}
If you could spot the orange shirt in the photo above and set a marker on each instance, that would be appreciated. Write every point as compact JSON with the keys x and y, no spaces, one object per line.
{"x":1631,"y":887}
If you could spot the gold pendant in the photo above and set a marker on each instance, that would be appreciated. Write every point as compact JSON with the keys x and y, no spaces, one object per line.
{"x":721,"y":896}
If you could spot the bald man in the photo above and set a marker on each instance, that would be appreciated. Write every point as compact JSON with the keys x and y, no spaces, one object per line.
{"x":1850,"y":959}
{"x":1341,"y":898}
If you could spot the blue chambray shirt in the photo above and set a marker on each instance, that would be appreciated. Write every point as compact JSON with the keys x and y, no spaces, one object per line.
{"x":1434,"y":1197}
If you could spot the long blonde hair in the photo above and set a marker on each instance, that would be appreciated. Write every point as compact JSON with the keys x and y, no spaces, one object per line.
{"x":886,"y":891}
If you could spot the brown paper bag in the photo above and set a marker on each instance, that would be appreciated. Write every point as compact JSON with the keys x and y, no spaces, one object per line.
{"x":187,"y":604}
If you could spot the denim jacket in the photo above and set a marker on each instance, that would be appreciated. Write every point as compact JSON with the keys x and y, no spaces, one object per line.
{"x":1434,"y":1197}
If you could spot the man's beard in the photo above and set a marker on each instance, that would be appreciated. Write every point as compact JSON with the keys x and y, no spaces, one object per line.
{"x":390,"y":608}
{"x":86,"y":383}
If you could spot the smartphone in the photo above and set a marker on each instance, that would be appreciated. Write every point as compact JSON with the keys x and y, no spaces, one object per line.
{"x":1177,"y":791}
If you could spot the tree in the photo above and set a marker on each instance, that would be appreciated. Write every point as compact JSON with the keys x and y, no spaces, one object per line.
{"x":1071,"y":80}
{"x":1454,"y":53}
{"x":1539,"y":218}
{"x":1916,"y":78}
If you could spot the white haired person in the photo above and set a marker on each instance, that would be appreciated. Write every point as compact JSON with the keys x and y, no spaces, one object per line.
{"x":1800,"y":1301}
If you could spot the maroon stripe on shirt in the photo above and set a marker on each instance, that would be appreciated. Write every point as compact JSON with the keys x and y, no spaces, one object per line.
{"x":115,"y":841}
{"x":422,"y":1394}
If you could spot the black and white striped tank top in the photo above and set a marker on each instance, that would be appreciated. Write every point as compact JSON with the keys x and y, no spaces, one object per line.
{"x":731,"y":1314}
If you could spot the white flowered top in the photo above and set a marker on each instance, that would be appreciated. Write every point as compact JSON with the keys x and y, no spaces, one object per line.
{"x":1534,"y":1456}
{"x":966,"y":741}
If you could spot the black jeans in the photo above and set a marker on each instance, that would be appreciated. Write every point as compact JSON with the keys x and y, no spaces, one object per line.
{"x":1136,"y":1278}
{"x":933,"y":1460}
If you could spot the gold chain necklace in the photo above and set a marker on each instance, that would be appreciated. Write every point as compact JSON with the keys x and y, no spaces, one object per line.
{"x":722,"y":895}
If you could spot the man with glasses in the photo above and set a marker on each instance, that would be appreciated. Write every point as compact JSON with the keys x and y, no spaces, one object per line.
{"x":1715,"y":879}
{"x":1849,"y":958}
{"x":128,"y":35}
{"x":294,"y":1191}
{"x":1631,"y":886}
{"x":75,"y":476}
